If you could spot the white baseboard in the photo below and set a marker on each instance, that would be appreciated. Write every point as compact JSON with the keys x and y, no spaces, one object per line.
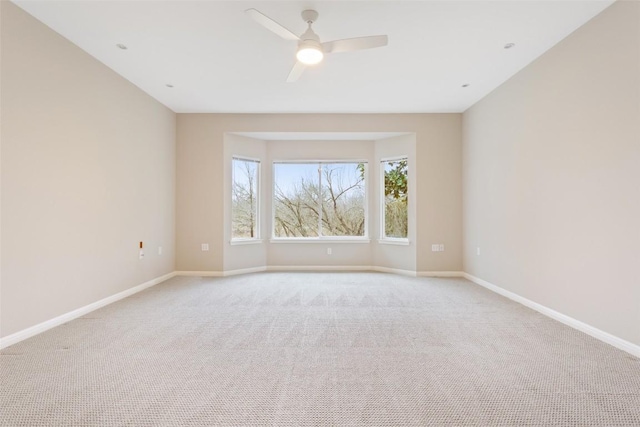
{"x":440,"y":274}
{"x":341,"y":268}
{"x":402,"y":272}
{"x":563,"y":318}
{"x":319,"y":268}
{"x":64,"y":318}
{"x":200,"y":273}
{"x":243,"y":271}
{"x":399,"y":271}
{"x":227,"y":273}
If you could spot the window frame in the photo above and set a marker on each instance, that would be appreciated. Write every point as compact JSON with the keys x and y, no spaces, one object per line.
{"x":384,"y":239}
{"x":258,"y":230}
{"x":321,"y":239}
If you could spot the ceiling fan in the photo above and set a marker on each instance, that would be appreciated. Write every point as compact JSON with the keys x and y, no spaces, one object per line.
{"x":310,"y":50}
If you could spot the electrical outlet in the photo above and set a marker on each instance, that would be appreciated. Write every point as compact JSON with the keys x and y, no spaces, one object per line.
{"x":205,"y":247}
{"x":329,"y":251}
{"x":441,"y":248}
{"x":435,"y":248}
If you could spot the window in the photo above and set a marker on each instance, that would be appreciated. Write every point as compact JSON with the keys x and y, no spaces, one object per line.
{"x":316,"y":200}
{"x":395,"y":199}
{"x":245,"y":199}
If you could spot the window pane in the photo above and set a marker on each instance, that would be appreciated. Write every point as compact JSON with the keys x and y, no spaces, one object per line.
{"x":343,"y":199}
{"x":295,"y":199}
{"x":244,"y":199}
{"x":395,"y":198}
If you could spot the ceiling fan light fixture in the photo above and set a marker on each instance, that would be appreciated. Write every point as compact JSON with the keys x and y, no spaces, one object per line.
{"x":310,"y":52}
{"x":309,"y":55}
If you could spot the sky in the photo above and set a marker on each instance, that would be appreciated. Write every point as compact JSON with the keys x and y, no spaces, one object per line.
{"x":287,"y":175}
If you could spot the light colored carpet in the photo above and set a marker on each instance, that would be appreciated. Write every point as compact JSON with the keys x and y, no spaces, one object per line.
{"x":317,"y":349}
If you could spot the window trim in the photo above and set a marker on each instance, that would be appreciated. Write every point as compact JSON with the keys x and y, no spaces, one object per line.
{"x":257,"y":238}
{"x":332,"y":239}
{"x":320,"y":239}
{"x":245,"y":241}
{"x":398,"y":241}
{"x":384,"y":239}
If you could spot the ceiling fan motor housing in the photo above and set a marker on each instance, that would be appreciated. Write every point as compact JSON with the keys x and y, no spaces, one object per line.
{"x":310,"y":44}
{"x":309,"y":16}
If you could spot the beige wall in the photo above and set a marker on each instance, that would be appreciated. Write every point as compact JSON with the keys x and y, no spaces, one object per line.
{"x":269,"y":253}
{"x":200,"y":187}
{"x":88,"y":171}
{"x":253,"y":255}
{"x":274,"y":254}
{"x":552,"y":177}
{"x":387,"y":255}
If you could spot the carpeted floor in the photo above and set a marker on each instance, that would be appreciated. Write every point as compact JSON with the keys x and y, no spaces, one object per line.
{"x":317,"y":349}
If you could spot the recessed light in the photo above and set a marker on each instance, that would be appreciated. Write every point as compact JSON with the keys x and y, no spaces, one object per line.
{"x":169,"y":85}
{"x":121,"y":46}
{"x":509,"y":45}
{"x":466,"y":85}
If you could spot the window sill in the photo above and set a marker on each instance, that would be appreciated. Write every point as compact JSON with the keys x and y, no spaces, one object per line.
{"x":399,"y":242}
{"x":234,"y":242}
{"x":319,"y":240}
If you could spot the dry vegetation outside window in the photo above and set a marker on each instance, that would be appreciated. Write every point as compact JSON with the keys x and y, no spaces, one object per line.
{"x":245,"y":199}
{"x":319,"y":200}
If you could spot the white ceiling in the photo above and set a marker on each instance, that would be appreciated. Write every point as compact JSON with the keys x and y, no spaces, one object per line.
{"x":219,"y":60}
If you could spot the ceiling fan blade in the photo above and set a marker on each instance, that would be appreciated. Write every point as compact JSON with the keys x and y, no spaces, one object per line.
{"x":296,"y":72}
{"x":358,"y":43}
{"x":271,"y":25}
